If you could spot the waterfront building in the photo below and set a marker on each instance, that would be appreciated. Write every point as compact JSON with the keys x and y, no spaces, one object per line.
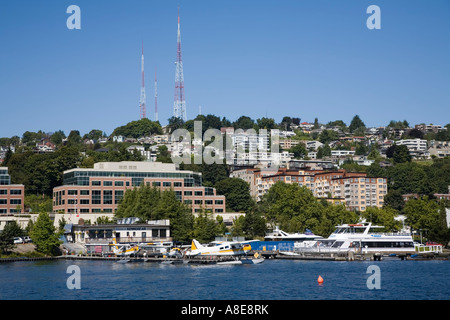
{"x":11,"y":195}
{"x":100,"y":189}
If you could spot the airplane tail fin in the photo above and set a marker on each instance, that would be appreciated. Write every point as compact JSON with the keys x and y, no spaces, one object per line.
{"x":195,"y":245}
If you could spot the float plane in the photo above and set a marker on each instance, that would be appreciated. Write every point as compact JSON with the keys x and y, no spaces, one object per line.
{"x":124,"y":250}
{"x":219,"y":248}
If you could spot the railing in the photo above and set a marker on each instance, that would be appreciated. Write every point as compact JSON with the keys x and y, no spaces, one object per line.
{"x":420,"y":248}
{"x":125,"y":240}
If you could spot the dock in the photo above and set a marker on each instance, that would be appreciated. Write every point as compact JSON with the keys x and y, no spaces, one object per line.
{"x":272,"y":255}
{"x":205,"y":260}
{"x":352,"y":256}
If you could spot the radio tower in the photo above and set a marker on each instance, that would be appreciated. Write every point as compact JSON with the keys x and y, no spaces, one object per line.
{"x":179,"y":104}
{"x":142,"y":100}
{"x":156,"y":98}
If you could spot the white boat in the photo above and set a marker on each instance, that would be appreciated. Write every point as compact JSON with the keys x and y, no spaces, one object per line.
{"x":280,"y":235}
{"x":242,"y":261}
{"x":360,"y":238}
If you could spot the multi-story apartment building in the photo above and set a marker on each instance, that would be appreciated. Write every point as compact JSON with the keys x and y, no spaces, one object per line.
{"x":11,"y":195}
{"x":416,"y":147}
{"x":413,"y":144}
{"x":100,"y":189}
{"x":354,"y":189}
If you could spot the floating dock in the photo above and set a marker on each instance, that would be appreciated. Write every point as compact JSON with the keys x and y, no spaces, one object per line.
{"x":351,"y":256}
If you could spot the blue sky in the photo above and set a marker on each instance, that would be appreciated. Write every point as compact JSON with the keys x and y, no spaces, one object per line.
{"x":299,"y":58}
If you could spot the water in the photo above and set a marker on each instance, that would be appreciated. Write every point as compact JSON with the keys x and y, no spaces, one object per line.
{"x":271,"y":280}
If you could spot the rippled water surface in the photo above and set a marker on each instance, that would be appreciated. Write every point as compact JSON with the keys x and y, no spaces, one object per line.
{"x":271,"y":280}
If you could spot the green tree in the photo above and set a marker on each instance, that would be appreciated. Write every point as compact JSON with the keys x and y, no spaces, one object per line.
{"x":237,"y":193}
{"x":74,"y":138}
{"x":57,"y":137}
{"x":299,"y":151}
{"x":439,"y":232}
{"x":266,"y":123}
{"x":163,"y":155}
{"x":254,"y":225}
{"x":139,"y":128}
{"x":44,"y":235}
{"x":421,"y":213}
{"x":356,"y":123}
{"x":401,"y":154}
{"x":383,"y":217}
{"x":326,"y":136}
{"x":244,"y":123}
{"x":394,"y":200}
{"x":205,"y":228}
{"x":10,"y":231}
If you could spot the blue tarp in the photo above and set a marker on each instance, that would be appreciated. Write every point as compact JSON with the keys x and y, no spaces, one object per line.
{"x":273,"y":245}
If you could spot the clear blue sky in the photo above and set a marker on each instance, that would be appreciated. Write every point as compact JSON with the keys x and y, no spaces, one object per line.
{"x":300,"y":58}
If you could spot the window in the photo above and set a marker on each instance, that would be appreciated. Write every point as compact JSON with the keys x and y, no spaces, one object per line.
{"x":96,"y":183}
{"x":107,"y":183}
{"x":167,"y":184}
{"x":4,"y":191}
{"x":13,"y":191}
{"x":198,"y":193}
{"x":107,"y":197}
{"x":198,"y":201}
{"x":188,"y":193}
{"x":118,"y":196}
{"x":84,"y":192}
{"x":96,"y":197}
{"x":15,"y":201}
{"x":118,"y":183}
{"x":177,"y":184}
{"x":219,"y":202}
{"x":84,"y":201}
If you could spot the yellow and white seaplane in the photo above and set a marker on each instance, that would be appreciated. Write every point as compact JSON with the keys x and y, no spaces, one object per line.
{"x":219,"y":248}
{"x":124,"y":250}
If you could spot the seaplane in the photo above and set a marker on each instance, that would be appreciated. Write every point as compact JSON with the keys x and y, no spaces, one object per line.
{"x":220,"y":248}
{"x":124,"y":250}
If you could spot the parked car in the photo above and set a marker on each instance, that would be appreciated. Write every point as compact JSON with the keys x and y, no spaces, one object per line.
{"x":18,"y":240}
{"x":27,"y":239}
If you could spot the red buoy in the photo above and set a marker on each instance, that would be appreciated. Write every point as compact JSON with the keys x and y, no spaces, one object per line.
{"x":320,"y":280}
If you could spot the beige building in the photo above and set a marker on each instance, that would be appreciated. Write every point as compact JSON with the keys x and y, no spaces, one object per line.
{"x":100,"y":190}
{"x":12,"y":196}
{"x":355,"y":190}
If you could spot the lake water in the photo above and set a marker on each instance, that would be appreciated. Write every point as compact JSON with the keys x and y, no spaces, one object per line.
{"x":270,"y":280}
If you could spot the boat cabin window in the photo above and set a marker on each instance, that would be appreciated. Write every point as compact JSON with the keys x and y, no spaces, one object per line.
{"x":337,"y":244}
{"x":339,"y":230}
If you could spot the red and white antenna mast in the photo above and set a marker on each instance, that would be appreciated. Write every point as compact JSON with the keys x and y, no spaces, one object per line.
{"x":179,"y":104}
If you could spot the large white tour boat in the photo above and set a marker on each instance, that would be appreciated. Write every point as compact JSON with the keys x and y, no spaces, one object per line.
{"x":360,"y":238}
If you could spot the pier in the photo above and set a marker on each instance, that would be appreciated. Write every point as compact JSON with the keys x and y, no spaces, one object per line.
{"x":352,"y":256}
{"x":271,"y":255}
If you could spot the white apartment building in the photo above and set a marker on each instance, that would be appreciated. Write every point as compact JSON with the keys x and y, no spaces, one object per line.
{"x":413,"y":144}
